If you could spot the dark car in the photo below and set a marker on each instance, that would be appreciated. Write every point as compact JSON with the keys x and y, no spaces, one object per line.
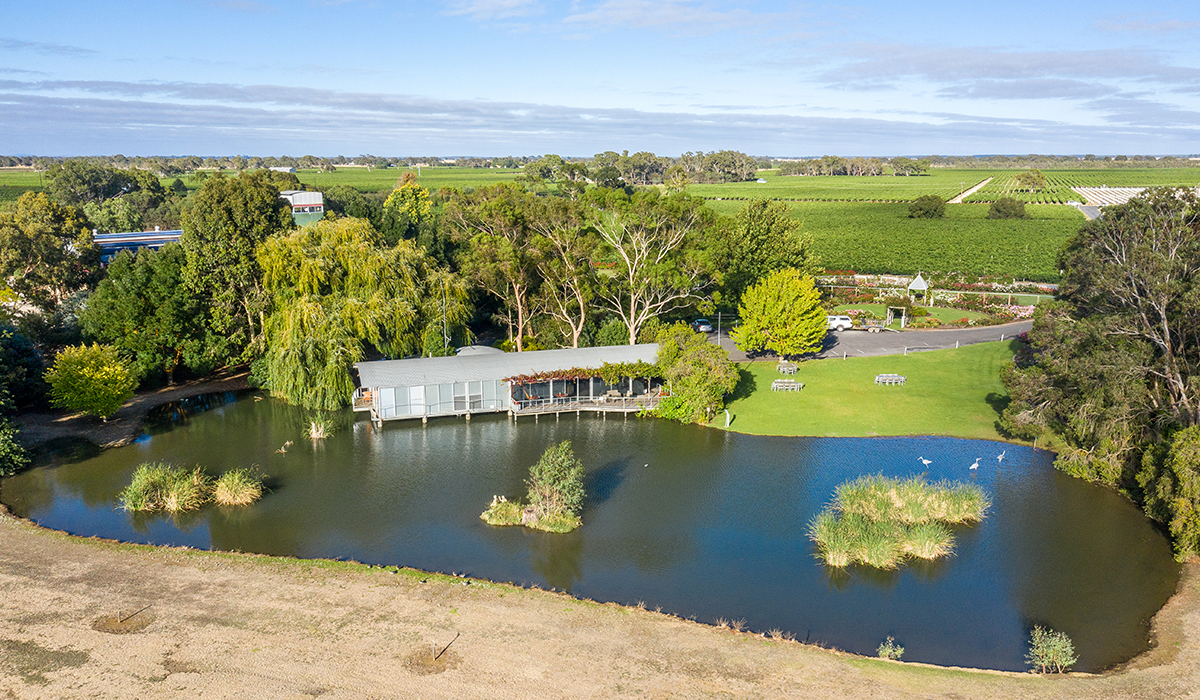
{"x":702,"y":325}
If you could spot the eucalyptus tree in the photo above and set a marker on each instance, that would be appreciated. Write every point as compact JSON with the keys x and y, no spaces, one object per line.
{"x":567,"y":243}
{"x":337,"y":288}
{"x":46,"y":251}
{"x":762,"y":238}
{"x":495,"y":226}
{"x":225,"y":222}
{"x":658,"y":264}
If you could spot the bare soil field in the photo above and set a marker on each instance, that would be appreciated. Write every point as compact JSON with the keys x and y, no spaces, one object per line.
{"x":83,"y":617}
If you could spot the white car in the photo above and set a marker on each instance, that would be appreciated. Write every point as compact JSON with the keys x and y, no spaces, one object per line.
{"x":838,"y":323}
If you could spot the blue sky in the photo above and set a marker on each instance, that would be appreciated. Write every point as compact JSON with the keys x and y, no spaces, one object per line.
{"x":522,"y":77}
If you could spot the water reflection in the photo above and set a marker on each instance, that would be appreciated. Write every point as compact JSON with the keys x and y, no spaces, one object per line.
{"x":701,"y":522}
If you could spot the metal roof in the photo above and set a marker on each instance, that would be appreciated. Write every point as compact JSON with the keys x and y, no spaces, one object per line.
{"x":473,"y":368}
{"x":919,"y":284}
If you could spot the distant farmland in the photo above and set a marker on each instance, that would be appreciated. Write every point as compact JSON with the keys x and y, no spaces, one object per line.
{"x":1059,"y":183}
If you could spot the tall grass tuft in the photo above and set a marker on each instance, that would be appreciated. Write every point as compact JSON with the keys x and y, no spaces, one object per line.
{"x":238,"y":487}
{"x":160,"y":486}
{"x":878,"y":521}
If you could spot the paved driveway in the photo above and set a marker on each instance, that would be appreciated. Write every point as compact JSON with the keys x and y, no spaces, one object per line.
{"x":862,"y":344}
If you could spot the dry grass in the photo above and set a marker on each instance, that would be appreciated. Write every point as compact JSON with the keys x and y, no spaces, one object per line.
{"x":238,"y":487}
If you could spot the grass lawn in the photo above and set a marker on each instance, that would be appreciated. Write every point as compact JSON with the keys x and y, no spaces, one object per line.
{"x":949,"y":392}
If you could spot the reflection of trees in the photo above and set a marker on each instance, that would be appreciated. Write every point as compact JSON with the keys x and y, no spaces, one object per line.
{"x":1083,"y":560}
{"x":557,"y":558}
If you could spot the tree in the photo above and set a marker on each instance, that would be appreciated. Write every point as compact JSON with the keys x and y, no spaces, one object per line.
{"x":927,"y":206}
{"x":781,"y":313}
{"x":76,"y":182}
{"x":1117,"y":363}
{"x":113,"y":215}
{"x":1032,"y":180}
{"x":498,"y":254}
{"x":762,"y":239}
{"x":659,"y":263}
{"x":337,"y":288}
{"x":90,"y":378}
{"x":12,"y":456}
{"x":699,"y":374}
{"x":1007,"y":208}
{"x":556,"y":483}
{"x":565,"y":265}
{"x":227,"y":220}
{"x":46,"y":251}
{"x":21,"y":369}
{"x":1170,"y":482}
{"x":143,"y":309}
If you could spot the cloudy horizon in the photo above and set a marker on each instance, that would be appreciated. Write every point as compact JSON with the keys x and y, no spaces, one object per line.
{"x":522,"y":77}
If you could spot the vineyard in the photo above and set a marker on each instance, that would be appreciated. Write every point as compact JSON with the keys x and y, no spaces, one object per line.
{"x":880,"y":238}
{"x":384,"y":179}
{"x":946,"y":183}
{"x":14,"y":183}
{"x":1059,"y":183}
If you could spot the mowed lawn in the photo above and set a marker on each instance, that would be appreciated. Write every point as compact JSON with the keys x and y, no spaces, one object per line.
{"x":948,"y":392}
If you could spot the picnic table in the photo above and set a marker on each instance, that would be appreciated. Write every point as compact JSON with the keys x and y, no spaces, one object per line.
{"x":786,"y":368}
{"x":786,"y":385}
{"x":890,"y":379}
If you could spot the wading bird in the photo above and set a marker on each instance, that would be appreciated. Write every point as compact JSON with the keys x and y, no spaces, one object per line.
{"x":924,"y":461}
{"x":1000,"y":457}
{"x":976,"y":464}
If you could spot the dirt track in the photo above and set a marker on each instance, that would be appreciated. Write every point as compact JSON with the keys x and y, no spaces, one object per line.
{"x":245,"y":626}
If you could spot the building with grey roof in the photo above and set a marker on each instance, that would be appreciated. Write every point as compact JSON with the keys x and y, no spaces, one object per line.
{"x":486,"y":380}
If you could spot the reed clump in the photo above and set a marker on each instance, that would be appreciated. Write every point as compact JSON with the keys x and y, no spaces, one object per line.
{"x":158,"y":486}
{"x":238,"y":487}
{"x":879,"y":521}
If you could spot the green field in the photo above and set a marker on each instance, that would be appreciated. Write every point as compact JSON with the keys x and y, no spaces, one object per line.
{"x":384,"y":179}
{"x":880,"y":238}
{"x":845,"y":188}
{"x":948,"y":392}
{"x":1059,"y":183}
{"x":14,"y":183}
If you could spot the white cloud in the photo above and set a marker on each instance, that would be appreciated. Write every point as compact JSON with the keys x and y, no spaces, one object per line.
{"x":679,"y":15}
{"x":490,"y":10}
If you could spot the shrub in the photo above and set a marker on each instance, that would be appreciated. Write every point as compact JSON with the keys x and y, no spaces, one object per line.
{"x":890,"y":650}
{"x":699,"y":374}
{"x":12,"y":456}
{"x":556,"y":482}
{"x":93,"y":379}
{"x":1007,"y":208}
{"x":238,"y":487}
{"x":929,"y":206}
{"x":1050,"y":651}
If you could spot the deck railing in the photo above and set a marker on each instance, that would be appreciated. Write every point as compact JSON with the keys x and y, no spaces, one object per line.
{"x":364,"y":400}
{"x":587,"y":403}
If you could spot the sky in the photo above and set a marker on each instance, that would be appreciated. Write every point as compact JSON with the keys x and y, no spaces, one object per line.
{"x":577,"y":77}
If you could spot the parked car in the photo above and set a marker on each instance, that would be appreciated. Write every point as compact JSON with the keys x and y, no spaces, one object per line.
{"x":838,"y":323}
{"x":702,"y":325}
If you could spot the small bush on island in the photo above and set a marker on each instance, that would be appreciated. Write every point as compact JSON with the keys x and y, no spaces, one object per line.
{"x":879,"y":521}
{"x":555,"y":495}
{"x":158,"y":486}
{"x":1050,"y":651}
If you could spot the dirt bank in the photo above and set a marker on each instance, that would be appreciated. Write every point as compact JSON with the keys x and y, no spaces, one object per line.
{"x":126,"y":424}
{"x":83,"y":617}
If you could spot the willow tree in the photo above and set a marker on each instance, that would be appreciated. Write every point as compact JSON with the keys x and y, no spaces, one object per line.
{"x":337,"y":288}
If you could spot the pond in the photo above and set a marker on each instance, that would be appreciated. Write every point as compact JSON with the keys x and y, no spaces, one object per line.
{"x":700,"y":522}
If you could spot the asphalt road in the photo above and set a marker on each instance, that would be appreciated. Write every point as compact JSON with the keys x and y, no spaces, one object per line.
{"x":857,"y":343}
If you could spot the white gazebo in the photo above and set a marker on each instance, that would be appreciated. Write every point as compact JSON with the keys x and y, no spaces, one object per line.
{"x":919,"y":285}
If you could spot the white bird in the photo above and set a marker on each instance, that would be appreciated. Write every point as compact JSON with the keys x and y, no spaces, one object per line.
{"x":924,"y":461}
{"x":976,"y":464}
{"x":1000,"y":457}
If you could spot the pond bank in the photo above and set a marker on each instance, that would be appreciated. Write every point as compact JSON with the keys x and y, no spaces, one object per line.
{"x":126,"y":424}
{"x":228,"y":625}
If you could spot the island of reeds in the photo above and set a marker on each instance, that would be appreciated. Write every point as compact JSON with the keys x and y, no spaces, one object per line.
{"x":555,"y":495}
{"x":157,"y":486}
{"x":880,"y":521}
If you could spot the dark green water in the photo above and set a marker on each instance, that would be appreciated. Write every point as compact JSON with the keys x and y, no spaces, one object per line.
{"x":701,"y":522}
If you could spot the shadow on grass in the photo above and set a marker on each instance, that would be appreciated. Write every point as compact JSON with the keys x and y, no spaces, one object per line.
{"x":746,"y":385}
